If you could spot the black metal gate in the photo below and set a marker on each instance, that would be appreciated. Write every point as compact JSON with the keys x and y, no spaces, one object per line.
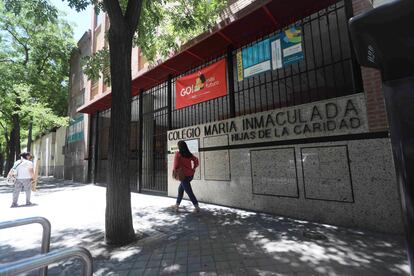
{"x":328,"y":70}
{"x":154,"y":138}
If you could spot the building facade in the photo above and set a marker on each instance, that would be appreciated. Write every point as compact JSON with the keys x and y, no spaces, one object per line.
{"x":76,"y":146}
{"x":300,"y":131}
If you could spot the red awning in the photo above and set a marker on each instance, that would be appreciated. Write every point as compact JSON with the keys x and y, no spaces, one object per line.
{"x":249,"y":24}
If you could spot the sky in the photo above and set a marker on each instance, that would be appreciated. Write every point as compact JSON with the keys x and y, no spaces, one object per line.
{"x":80,"y":21}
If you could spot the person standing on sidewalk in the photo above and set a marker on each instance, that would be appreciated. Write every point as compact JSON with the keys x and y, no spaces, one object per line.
{"x":188,"y":163}
{"x":23,"y":170}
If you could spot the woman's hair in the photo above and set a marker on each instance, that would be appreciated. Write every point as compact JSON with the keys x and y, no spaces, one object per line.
{"x":183,"y":149}
{"x":25,"y":155}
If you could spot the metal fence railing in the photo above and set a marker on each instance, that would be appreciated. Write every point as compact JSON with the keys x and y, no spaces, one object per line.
{"x":328,"y":70}
{"x":45,"y":236}
{"x":42,"y":261}
{"x":45,"y":258}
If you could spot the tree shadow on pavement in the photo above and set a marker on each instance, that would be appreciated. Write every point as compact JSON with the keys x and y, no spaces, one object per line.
{"x":44,"y":185}
{"x":106,"y":258}
{"x":258,"y":243}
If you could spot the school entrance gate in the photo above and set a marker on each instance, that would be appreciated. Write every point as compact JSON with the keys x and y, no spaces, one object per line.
{"x":328,"y":70}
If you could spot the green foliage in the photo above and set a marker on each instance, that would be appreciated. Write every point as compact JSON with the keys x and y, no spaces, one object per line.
{"x":167,"y":24}
{"x":98,"y":65}
{"x":164,"y":27}
{"x":35,"y":47}
{"x":40,"y":10}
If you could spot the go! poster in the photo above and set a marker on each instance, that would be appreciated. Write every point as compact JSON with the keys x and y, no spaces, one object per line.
{"x":206,"y":84}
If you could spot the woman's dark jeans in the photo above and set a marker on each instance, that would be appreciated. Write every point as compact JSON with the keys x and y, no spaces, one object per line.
{"x":186,"y":186}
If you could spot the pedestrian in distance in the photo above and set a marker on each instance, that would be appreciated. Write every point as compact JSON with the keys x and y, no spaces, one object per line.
{"x":23,"y":172}
{"x":185,"y":164}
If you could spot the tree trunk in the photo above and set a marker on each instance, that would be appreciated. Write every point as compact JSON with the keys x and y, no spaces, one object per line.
{"x":16,"y":136}
{"x":1,"y":161}
{"x":118,"y":216}
{"x":11,"y":151}
{"x":29,"y":136}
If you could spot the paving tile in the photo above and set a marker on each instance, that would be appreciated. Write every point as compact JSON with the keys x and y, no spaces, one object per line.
{"x":249,"y":262}
{"x":194,"y":267}
{"x":140,"y":264}
{"x":208,"y":273}
{"x":221,"y":257}
{"x":165,"y":263}
{"x":175,"y":268}
{"x":121,"y":272}
{"x":141,"y":258}
{"x":152,"y":264}
{"x":136,"y":272}
{"x":156,"y":257}
{"x":206,"y":252}
{"x":264,"y":262}
{"x":168,"y":256}
{"x":151,"y":272}
{"x":208,"y":258}
{"x":234,"y":257}
{"x":226,"y":273}
{"x":192,"y":259}
{"x":208,"y":266}
{"x":223,"y":266}
{"x":181,"y":261}
{"x":170,"y":249}
{"x":194,"y":253}
{"x":236,"y":264}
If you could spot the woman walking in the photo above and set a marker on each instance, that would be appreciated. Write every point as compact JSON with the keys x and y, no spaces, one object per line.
{"x":185,"y":161}
{"x":23,"y":171}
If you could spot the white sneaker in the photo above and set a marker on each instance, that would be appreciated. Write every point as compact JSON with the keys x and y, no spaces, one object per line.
{"x":174,"y":207}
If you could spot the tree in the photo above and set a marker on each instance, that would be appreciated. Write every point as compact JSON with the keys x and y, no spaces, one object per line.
{"x":126,"y":18}
{"x":34,"y":50}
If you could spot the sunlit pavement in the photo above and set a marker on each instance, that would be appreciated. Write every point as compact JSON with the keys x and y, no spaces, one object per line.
{"x":217,"y":241}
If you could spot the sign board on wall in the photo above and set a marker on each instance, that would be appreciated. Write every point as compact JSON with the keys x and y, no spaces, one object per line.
{"x":75,"y":129}
{"x":206,"y":84}
{"x":270,"y":54}
{"x":340,"y":116}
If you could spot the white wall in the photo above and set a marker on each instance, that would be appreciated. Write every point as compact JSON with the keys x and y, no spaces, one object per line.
{"x":47,"y":151}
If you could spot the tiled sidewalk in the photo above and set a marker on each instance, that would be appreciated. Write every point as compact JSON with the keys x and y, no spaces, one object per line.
{"x":217,"y":241}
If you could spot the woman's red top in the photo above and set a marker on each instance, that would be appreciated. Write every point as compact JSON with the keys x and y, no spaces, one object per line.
{"x":185,"y":164}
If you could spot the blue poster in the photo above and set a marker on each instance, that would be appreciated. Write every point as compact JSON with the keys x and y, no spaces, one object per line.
{"x":256,"y":58}
{"x":291,"y":43}
{"x":270,"y":54}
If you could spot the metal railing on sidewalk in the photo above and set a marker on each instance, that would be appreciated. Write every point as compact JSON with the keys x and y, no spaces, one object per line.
{"x":42,"y":261}
{"x":45,"y":236}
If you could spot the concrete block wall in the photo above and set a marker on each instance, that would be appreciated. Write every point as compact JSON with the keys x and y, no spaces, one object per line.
{"x":327,"y":167}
